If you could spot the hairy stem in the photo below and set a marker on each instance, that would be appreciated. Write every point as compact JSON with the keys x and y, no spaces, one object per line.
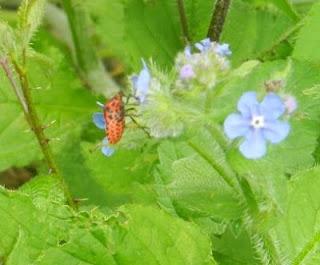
{"x":218,"y":19}
{"x":183,"y":20}
{"x":23,"y":93}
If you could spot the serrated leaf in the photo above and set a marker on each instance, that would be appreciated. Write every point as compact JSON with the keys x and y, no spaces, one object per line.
{"x":7,"y":41}
{"x":175,"y":242}
{"x":37,"y":235}
{"x":30,"y":17}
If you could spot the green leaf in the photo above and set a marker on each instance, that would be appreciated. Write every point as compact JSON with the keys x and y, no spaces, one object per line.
{"x":45,"y":234}
{"x":299,"y":229}
{"x":253,"y":31}
{"x":198,"y":181}
{"x":30,"y":17}
{"x":177,"y":242}
{"x":198,"y":14}
{"x":137,"y":29}
{"x":122,"y":177}
{"x":234,"y":247}
{"x":307,"y":44}
{"x":283,"y":5}
{"x":303,"y":6}
{"x":7,"y":41}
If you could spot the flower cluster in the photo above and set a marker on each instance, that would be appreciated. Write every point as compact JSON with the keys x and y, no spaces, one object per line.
{"x":258,"y":123}
{"x":155,"y":103}
{"x":158,"y":108}
{"x":203,"y":67}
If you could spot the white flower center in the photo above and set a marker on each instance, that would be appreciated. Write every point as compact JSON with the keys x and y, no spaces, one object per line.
{"x":257,"y":122}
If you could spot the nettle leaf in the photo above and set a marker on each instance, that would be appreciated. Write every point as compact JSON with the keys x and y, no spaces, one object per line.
{"x":119,"y":179}
{"x":51,"y":233}
{"x":177,"y":242}
{"x":307,"y":44}
{"x":251,"y":31}
{"x":196,"y":179}
{"x":299,"y":229}
{"x":29,"y":18}
{"x":234,"y":247}
{"x":59,"y":97}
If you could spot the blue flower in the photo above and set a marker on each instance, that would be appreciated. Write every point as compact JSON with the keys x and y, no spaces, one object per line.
{"x":203,"y":45}
{"x":257,"y":123}
{"x":99,"y":121}
{"x":106,"y":149}
{"x":187,"y":51}
{"x":223,"y":49}
{"x":186,"y":72}
{"x":141,"y":83}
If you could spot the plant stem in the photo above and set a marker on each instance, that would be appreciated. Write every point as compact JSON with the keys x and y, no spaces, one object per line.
{"x":183,"y":20}
{"x":32,"y":118}
{"x":218,"y":19}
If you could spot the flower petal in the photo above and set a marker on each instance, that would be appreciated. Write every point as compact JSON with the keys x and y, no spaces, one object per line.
{"x":276,"y":131}
{"x":248,"y":104}
{"x":134,"y":80}
{"x":186,"y":72}
{"x":272,"y":106}
{"x":254,"y":146}
{"x":223,"y":49}
{"x":107,"y":151}
{"x":203,"y":45}
{"x":141,"y":84}
{"x":236,"y":125}
{"x":98,"y":120}
{"x":187,"y":51}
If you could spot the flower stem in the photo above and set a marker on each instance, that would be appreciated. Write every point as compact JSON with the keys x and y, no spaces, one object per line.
{"x":218,"y":19}
{"x":33,"y":120}
{"x":183,"y":20}
{"x":23,"y":93}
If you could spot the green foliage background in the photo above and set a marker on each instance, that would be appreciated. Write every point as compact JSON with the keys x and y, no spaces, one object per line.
{"x":189,"y":200}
